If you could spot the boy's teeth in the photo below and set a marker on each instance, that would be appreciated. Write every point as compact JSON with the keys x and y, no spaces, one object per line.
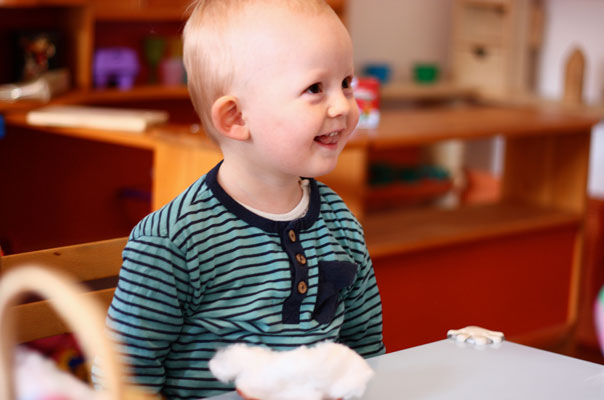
{"x":328,"y":138}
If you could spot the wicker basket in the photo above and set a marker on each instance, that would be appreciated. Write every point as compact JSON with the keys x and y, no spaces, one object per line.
{"x":81,"y":313}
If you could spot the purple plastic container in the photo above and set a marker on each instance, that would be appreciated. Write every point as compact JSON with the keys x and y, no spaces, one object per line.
{"x":117,"y":65}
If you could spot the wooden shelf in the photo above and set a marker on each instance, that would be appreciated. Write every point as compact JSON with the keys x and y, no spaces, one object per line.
{"x":137,"y":93}
{"x":420,"y":229}
{"x":175,"y":10}
{"x":135,"y":14}
{"x":139,"y":10}
{"x":41,"y":3}
{"x":186,"y":135}
{"x":131,"y":139}
{"x":103,"y":96}
{"x":21,"y":105}
{"x":425,"y":126}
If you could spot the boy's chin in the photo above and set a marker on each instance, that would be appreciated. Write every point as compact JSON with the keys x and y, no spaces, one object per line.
{"x":319,"y":171}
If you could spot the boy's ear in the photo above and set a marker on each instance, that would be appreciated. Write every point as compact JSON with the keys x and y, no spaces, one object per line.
{"x":227,"y":118}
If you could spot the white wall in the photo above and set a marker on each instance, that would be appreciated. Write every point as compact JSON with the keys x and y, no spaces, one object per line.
{"x":571,"y":23}
{"x":400,"y":33}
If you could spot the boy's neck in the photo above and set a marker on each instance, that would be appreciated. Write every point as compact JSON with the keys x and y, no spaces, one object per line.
{"x":271,"y":194}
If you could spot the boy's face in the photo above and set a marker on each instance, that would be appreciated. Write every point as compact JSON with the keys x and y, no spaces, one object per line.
{"x":295,"y":90}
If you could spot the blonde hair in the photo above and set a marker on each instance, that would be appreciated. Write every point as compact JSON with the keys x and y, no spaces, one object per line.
{"x":207,"y":53}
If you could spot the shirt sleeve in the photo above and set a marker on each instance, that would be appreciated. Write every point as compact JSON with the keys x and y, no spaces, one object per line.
{"x":362,"y":328}
{"x":146,"y":313}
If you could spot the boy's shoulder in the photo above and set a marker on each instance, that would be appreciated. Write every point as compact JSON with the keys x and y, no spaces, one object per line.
{"x":168,"y":220}
{"x":331,"y":202}
{"x":331,"y":199}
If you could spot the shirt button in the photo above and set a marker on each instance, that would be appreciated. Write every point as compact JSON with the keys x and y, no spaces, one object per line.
{"x":302,"y":287}
{"x":292,"y":235}
{"x":300,"y":258}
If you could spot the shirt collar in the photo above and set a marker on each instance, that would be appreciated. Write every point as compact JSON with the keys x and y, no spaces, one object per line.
{"x":265,"y":224}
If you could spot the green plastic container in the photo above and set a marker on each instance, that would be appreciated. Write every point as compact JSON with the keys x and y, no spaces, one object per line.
{"x":425,"y":73}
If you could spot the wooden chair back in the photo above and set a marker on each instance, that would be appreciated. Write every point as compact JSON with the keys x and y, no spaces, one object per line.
{"x":96,"y":265}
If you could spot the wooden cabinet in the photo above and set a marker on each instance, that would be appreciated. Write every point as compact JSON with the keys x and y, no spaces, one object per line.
{"x":495,"y":43}
{"x":512,"y":265}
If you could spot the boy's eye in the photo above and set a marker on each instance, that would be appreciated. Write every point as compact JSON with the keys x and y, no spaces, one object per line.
{"x":347,"y":83}
{"x":315,"y":88}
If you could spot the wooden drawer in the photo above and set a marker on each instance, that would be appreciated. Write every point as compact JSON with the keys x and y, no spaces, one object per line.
{"x":481,"y":66}
{"x":485,"y":23}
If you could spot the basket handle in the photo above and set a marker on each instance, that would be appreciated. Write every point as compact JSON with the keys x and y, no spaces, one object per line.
{"x":83,"y":314}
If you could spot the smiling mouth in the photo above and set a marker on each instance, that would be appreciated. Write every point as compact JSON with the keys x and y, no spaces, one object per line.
{"x":328,"y":138}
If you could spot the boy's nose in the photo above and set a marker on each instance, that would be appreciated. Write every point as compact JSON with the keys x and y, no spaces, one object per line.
{"x":339,"y":105}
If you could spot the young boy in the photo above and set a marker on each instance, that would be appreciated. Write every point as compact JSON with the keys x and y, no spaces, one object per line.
{"x":252,"y":252}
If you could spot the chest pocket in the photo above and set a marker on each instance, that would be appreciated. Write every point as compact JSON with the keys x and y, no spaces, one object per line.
{"x":333,"y":277}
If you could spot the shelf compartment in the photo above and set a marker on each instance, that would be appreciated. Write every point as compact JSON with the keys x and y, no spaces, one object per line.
{"x":419,"y":127}
{"x":71,"y":21}
{"x":400,"y":194}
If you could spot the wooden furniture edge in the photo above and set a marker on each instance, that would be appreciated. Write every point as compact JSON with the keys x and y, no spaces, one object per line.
{"x":550,"y":219}
{"x":101,"y":259}
{"x":29,"y":315}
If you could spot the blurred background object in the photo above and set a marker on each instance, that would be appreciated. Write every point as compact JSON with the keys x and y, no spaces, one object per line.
{"x":115,"y":67}
{"x":43,"y":88}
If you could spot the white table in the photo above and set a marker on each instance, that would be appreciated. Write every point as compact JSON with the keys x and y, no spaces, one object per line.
{"x":448,"y":370}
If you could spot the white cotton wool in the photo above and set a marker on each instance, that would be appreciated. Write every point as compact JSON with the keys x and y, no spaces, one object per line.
{"x":327,"y":370}
{"x":37,"y":377}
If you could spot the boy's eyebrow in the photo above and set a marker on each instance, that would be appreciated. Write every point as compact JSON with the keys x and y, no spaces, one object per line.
{"x":312,"y":76}
{"x":318,"y":73}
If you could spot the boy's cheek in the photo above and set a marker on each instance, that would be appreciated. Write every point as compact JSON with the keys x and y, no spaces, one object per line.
{"x":354,"y":114}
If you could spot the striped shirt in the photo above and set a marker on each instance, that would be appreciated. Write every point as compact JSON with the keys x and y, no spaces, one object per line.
{"x":204,"y":272}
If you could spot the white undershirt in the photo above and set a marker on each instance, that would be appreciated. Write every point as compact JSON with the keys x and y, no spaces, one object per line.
{"x":297,"y":212}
